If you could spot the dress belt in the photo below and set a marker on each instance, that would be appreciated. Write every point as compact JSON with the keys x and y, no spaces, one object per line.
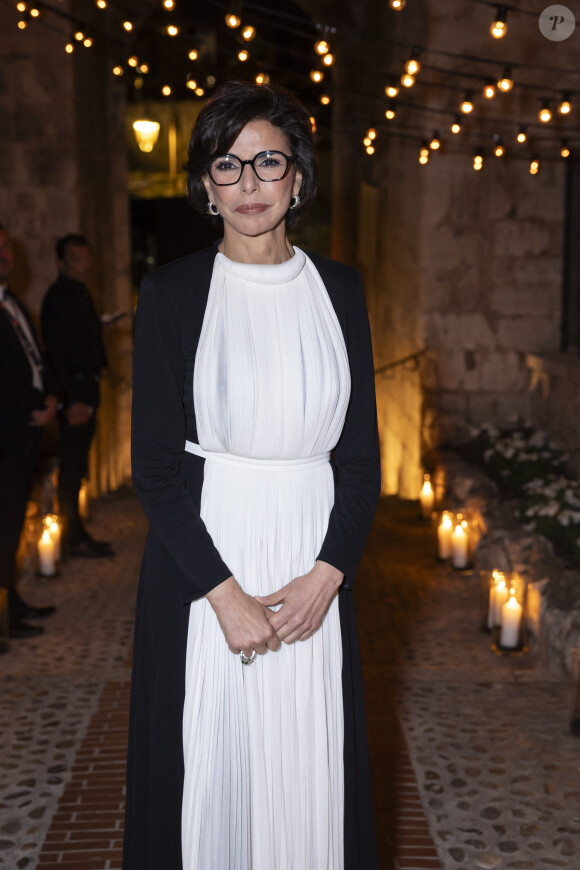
{"x":265,"y":464}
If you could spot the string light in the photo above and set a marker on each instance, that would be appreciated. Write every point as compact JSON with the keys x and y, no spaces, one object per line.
{"x":172,"y":30}
{"x":69,"y":48}
{"x":506,"y":82}
{"x":498,"y":27}
{"x":321,"y":47}
{"x":522,"y":135}
{"x":565,"y":106}
{"x":478,"y":161}
{"x":435,"y":144}
{"x":499,"y":149}
{"x":169,"y":4}
{"x":424,"y":154}
{"x":545,"y":113}
{"x":249,"y":33}
{"x":118,"y":70}
{"x":193,"y":54}
{"x":144,"y":68}
{"x":101,"y":4}
{"x":535,"y":165}
{"x":191,"y":84}
{"x":467,"y":104}
{"x":456,"y":125}
{"x":325,"y":99}
{"x":264,"y":78}
{"x":243,"y":55}
{"x":21,"y":7}
{"x":413,"y":65}
{"x":233,"y":20}
{"x":392,"y":89}
{"x":316,"y":75}
{"x":328,"y":59}
{"x":133,"y":61}
{"x":489,"y":91}
{"x":79,"y":36}
{"x":22,"y":24}
{"x":565,"y":149}
{"x":367,"y":141}
{"x":313,"y":123}
{"x":128,"y":26}
{"x":371,"y":133}
{"x":370,"y":149}
{"x":397,"y":4}
{"x":391,"y":113}
{"x":34,"y":12}
{"x":87,"y":42}
{"x":166,"y":91}
{"x":407,"y":80}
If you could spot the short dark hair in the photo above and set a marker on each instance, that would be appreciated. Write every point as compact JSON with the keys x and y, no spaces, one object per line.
{"x":228,"y":110}
{"x":71,"y":240}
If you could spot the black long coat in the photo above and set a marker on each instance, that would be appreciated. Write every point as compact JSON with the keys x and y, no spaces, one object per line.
{"x":181,"y":563}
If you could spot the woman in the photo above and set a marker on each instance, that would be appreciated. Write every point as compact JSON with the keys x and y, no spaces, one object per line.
{"x":252,"y":363}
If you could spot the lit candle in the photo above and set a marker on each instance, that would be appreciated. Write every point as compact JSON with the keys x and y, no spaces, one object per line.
{"x":426,"y":497}
{"x":510,"y":625}
{"x":501,"y":596}
{"x":54,"y":530}
{"x":444,"y":532}
{"x":46,"y":554}
{"x":84,"y":502}
{"x":459,"y":546}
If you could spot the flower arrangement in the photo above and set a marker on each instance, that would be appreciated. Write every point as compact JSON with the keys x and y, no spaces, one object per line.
{"x":531,"y":470}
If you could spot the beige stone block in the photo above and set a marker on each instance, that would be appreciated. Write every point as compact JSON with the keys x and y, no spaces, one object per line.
{"x":522,"y":238}
{"x":529,"y":334}
{"x":531,"y":300}
{"x":467,"y":331}
{"x":503,"y":370}
{"x":454,"y":373}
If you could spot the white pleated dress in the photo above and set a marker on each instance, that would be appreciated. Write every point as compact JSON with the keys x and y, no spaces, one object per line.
{"x":263,"y":744}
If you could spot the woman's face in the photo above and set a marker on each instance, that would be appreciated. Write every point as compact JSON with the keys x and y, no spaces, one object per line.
{"x":252,"y":207}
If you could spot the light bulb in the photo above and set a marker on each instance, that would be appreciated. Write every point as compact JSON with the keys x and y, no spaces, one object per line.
{"x":128,"y":25}
{"x":489,"y":91}
{"x":522,"y":135}
{"x":172,"y":30}
{"x":79,"y":36}
{"x":169,"y":4}
{"x":391,"y":113}
{"x":22,"y":24}
{"x":370,"y":149}
{"x":166,"y":91}
{"x":498,"y":27}
{"x":69,"y":48}
{"x":478,"y":161}
{"x":325,"y":99}
{"x":535,"y":165}
{"x":499,"y":150}
{"x":263,"y":79}
{"x":133,"y":61}
{"x":34,"y":12}
{"x":193,"y":54}
{"x":243,"y":55}
{"x":407,"y":80}
{"x":545,"y":113}
{"x":316,"y":75}
{"x":424,"y":154}
{"x":506,"y":82}
{"x":321,"y":47}
{"x":248,"y":33}
{"x":328,"y":59}
{"x":21,"y":7}
{"x":101,"y":4}
{"x":397,"y":4}
{"x":313,"y":123}
{"x":144,"y":68}
{"x":392,"y":90}
{"x":565,"y":149}
{"x":199,"y":92}
{"x":117,"y":70}
{"x":565,"y":106}
{"x":372,"y":133}
{"x":191,"y":84}
{"x":456,"y":125}
{"x":467,"y":105}
{"x":435,"y":144}
{"x":233,"y":20}
{"x":87,"y":42}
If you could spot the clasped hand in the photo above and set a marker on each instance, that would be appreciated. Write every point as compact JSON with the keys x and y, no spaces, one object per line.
{"x":248,"y":623}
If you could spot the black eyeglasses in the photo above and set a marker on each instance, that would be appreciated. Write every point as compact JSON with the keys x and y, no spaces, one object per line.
{"x":268,"y":166}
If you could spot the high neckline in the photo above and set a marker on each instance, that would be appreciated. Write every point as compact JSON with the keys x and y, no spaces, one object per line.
{"x":264,"y":273}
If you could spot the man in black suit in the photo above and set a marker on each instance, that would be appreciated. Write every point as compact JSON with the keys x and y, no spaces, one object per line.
{"x":72,"y":334}
{"x":25,"y":406}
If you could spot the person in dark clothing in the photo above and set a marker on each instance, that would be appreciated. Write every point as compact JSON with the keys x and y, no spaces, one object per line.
{"x":72,"y":334}
{"x":26,"y":404}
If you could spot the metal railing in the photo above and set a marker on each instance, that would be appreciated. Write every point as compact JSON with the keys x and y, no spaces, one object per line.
{"x":413,"y":359}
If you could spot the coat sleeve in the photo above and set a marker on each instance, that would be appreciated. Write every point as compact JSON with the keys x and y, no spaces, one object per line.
{"x":158,"y":440}
{"x":356,"y":457}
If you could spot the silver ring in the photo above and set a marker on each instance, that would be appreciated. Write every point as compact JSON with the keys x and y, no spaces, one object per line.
{"x":247,"y":660}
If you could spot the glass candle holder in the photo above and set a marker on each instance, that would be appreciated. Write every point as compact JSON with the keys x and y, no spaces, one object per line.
{"x":509,"y":624}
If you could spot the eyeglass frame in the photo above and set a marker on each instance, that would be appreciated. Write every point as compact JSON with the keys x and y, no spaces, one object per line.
{"x":288,"y":157}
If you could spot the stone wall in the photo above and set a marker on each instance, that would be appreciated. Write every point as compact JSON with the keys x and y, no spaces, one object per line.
{"x":62,"y":169}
